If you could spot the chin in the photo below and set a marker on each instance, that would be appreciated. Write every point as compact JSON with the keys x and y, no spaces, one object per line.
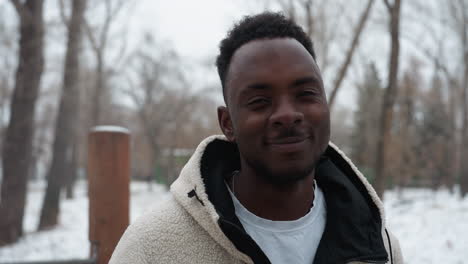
{"x":286,"y":175}
{"x":285,"y":171}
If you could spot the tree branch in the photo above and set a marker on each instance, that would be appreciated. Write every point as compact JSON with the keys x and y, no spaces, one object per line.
{"x":387,"y":4}
{"x":20,"y":9}
{"x":63,"y":16}
{"x":110,"y":15}
{"x":309,"y":17}
{"x":349,"y":55}
{"x":18,"y":6}
{"x":89,"y":33}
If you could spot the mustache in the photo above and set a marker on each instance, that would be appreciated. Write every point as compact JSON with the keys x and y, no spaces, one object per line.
{"x":288,"y":135}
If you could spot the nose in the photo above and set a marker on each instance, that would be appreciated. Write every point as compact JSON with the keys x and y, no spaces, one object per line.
{"x":285,"y":114}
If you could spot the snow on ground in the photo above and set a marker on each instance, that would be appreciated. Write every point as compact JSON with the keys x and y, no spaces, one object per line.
{"x":70,"y":239}
{"x":432,"y":226}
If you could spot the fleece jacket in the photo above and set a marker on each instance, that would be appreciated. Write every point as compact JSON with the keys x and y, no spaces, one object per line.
{"x":196,"y":223}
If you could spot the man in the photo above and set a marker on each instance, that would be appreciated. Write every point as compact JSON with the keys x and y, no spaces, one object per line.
{"x":272,"y":189}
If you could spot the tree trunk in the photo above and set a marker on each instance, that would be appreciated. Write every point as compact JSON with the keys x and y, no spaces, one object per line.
{"x":464,"y":132}
{"x":464,"y":140}
{"x":17,"y":148}
{"x":389,"y":99}
{"x":309,"y":18}
{"x":291,"y":10}
{"x":452,"y":143}
{"x":73,"y":175}
{"x":98,"y":90}
{"x":349,"y":55}
{"x":64,"y":127}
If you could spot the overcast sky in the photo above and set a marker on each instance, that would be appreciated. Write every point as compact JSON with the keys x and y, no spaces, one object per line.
{"x":194,"y":27}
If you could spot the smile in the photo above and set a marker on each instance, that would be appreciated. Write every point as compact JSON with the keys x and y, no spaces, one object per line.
{"x":288,"y":144}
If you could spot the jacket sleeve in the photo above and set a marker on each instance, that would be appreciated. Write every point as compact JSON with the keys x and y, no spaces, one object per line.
{"x":130,"y":248}
{"x":393,"y":248}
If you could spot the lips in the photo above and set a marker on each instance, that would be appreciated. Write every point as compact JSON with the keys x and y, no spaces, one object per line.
{"x":286,"y":140}
{"x":288,"y":144}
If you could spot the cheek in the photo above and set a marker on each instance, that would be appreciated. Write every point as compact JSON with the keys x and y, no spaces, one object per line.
{"x":325,"y":117}
{"x":319,"y":117}
{"x":319,"y":112}
{"x":323,"y":121}
{"x":250,"y":125}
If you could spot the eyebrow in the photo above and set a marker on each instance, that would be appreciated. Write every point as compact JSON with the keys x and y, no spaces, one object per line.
{"x":306,"y":80}
{"x":254,"y":86}
{"x":298,"y":82}
{"x":266,"y":86}
{"x":258,"y":86}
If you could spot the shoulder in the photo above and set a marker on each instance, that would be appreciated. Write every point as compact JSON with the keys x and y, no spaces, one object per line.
{"x":153,"y":233}
{"x":164,"y":218}
{"x":168,"y":234}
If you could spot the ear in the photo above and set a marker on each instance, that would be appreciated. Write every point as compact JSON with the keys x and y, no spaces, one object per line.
{"x":225,"y":123}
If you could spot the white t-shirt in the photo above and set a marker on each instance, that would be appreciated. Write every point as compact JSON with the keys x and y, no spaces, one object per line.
{"x":292,"y":242}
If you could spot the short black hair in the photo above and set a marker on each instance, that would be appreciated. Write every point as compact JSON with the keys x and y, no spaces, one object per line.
{"x":266,"y":25}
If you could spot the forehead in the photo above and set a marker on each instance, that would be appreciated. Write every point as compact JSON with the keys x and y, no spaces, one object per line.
{"x":258,"y":60}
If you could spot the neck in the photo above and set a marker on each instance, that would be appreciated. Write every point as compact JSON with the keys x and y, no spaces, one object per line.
{"x":279,"y":203}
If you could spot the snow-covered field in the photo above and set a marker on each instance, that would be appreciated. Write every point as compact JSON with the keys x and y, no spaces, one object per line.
{"x":432,"y":226}
{"x":70,"y":239}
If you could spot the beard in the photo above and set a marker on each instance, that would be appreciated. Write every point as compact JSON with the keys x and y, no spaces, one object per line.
{"x":283,"y":178}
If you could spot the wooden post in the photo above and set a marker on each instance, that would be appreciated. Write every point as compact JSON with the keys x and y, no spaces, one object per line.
{"x":108,"y":187}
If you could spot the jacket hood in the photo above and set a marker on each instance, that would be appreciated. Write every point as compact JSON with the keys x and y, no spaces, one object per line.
{"x":355,"y":216}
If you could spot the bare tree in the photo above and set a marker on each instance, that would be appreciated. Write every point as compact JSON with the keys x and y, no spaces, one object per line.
{"x":322,"y":29}
{"x":163,"y":103}
{"x":439,"y":31}
{"x":389,"y":95}
{"x":460,"y":17}
{"x":99,"y":42}
{"x":64,"y":126}
{"x":452,"y":86}
{"x":363,"y":141}
{"x":433,"y":136}
{"x":349,"y":54}
{"x":17,"y":147}
{"x":409,"y":85}
{"x":72,"y":164}
{"x":310,"y":20}
{"x":7,"y":37}
{"x":318,"y":21}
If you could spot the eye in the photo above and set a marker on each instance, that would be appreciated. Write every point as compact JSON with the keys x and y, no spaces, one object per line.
{"x":258,"y":102}
{"x":307,"y":93}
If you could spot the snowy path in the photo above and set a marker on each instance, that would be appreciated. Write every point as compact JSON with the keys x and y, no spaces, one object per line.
{"x":432,"y":227}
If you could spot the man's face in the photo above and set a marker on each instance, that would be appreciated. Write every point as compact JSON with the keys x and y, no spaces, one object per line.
{"x":277,"y":112}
